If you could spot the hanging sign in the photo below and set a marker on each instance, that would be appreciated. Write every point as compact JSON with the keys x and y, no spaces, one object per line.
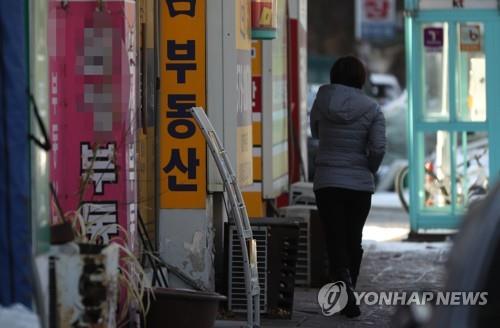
{"x":470,"y":38}
{"x":253,"y":193}
{"x":182,"y":170}
{"x":433,"y":38}
{"x":244,"y":90}
{"x":275,"y":111}
{"x":264,"y":19}
{"x":92,"y":95}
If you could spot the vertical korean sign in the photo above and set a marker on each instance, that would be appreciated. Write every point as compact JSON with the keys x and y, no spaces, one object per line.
{"x":92,"y":108}
{"x":244,"y":88}
{"x":279,"y":109}
{"x":182,"y":64}
{"x":253,"y":193}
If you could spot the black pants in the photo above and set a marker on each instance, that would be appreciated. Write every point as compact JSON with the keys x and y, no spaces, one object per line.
{"x":343,"y":213}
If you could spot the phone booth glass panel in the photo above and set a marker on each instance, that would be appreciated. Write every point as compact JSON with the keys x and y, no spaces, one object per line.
{"x":453,"y":87}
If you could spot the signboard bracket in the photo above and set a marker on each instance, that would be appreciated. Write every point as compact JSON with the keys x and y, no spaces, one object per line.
{"x":238,"y":213}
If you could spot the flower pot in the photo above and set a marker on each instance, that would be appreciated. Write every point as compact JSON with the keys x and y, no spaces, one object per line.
{"x":61,"y":233}
{"x":183,"y":308}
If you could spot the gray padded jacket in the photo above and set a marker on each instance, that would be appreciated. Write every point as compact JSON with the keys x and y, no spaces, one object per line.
{"x":351,"y":131}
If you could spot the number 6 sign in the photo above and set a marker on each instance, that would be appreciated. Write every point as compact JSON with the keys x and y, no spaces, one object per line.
{"x":470,"y":38}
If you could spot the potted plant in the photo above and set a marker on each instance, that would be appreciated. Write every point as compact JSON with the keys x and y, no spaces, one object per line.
{"x":91,"y":279}
{"x":93,"y":284}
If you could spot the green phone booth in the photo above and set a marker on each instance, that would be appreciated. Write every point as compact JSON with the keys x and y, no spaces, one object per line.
{"x":453,"y":72}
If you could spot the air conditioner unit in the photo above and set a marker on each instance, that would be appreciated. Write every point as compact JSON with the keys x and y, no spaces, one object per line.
{"x":237,"y":300}
{"x":312,"y":259}
{"x":277,"y":244}
{"x":301,"y":193}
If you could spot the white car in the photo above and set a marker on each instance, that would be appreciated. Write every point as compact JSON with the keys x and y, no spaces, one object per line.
{"x":383,"y":87}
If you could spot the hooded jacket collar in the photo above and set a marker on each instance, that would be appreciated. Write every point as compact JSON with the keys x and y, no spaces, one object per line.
{"x":343,"y":104}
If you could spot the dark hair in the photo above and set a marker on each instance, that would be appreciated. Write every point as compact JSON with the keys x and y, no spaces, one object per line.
{"x":349,"y":71}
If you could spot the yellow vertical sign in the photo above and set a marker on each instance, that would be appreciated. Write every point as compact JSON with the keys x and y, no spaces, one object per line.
{"x":253,"y":194}
{"x":182,"y":169}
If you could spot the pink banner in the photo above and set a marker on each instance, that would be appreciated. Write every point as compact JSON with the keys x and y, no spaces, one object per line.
{"x":92,"y":99}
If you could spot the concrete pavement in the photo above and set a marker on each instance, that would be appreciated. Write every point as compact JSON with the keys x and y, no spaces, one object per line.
{"x":389,"y":264}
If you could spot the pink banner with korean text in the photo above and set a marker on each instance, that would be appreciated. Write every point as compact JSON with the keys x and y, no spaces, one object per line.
{"x":92,"y":113}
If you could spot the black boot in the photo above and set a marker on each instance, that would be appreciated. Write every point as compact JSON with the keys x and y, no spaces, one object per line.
{"x":352,"y":309}
{"x":355,"y":266}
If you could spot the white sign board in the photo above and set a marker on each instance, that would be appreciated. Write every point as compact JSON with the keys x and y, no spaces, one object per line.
{"x":375,"y":19}
{"x":447,"y":4}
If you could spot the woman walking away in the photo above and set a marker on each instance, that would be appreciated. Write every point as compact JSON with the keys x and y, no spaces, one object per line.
{"x":351,"y":130}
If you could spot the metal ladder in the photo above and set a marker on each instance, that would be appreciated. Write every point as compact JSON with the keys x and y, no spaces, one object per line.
{"x":239,"y":214}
